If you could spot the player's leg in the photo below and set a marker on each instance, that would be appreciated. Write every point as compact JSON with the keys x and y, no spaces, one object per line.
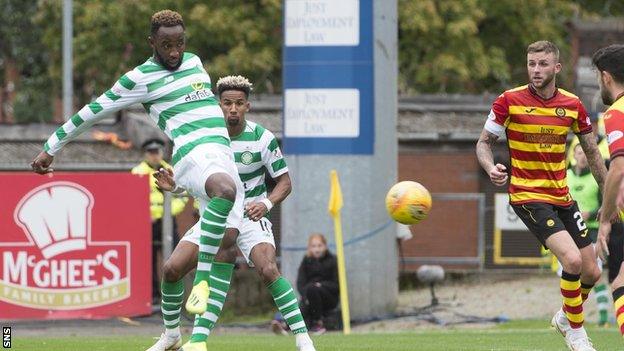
{"x":182,"y":260}
{"x":263,"y":257}
{"x":220,"y":277}
{"x":572,"y":218}
{"x":566,"y":250}
{"x":552,"y":231}
{"x":616,"y":272}
{"x":590,"y":272}
{"x":221,"y":189}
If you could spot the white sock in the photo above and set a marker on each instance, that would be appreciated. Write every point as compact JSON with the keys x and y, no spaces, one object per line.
{"x":173,"y":332}
{"x":302,"y":339}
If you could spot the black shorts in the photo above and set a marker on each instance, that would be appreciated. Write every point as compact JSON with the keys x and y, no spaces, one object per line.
{"x":616,"y":250}
{"x":544,"y":220}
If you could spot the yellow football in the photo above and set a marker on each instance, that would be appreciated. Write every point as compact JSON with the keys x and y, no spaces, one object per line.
{"x":408,"y":202}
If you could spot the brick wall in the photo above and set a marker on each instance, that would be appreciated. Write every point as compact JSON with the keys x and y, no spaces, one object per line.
{"x":451,"y":230}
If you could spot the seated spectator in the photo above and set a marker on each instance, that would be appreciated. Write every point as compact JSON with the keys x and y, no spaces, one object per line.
{"x":317,"y":282}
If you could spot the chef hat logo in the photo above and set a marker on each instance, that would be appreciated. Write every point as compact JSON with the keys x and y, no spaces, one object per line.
{"x":56,"y":216}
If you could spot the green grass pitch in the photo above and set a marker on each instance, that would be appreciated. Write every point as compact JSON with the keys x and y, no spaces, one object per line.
{"x":518,"y":335}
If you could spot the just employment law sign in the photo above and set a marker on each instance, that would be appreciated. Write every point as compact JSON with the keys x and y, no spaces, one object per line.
{"x":328,"y":77}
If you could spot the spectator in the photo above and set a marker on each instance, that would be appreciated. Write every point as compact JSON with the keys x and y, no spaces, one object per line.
{"x":153,"y":160}
{"x":317,"y":282}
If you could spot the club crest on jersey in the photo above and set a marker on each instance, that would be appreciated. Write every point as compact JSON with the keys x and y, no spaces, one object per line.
{"x":246,"y":158}
{"x":560,"y":112}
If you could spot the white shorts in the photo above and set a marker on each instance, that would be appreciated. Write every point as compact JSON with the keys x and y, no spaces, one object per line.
{"x":250,"y":234}
{"x":203,"y":161}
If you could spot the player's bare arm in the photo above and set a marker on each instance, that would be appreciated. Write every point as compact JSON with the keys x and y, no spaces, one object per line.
{"x":496,"y":172}
{"x":41,"y":163}
{"x":257,"y":210}
{"x":609,"y":211}
{"x":594,"y":158}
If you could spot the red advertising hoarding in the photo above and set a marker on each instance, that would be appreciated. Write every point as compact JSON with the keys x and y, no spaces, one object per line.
{"x":74,"y":245}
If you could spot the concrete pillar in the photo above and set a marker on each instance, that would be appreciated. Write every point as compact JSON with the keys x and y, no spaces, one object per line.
{"x":363,"y":150}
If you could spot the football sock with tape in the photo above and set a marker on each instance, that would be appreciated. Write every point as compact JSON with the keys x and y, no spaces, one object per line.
{"x":618,"y":303}
{"x":570,"y":285}
{"x":286,"y":301}
{"x":585,"y":290}
{"x":220,"y":277}
{"x":172,"y":297}
{"x":212,"y":229}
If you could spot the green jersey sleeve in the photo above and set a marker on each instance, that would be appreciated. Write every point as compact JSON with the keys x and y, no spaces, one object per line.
{"x":125,"y":92}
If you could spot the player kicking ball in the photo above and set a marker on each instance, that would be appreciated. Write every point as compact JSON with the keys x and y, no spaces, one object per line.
{"x":174,"y":88}
{"x":536,"y":119}
{"x":255,"y":151}
{"x":609,"y":63}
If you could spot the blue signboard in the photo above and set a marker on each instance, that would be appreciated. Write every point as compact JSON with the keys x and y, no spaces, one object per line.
{"x":328,"y":77}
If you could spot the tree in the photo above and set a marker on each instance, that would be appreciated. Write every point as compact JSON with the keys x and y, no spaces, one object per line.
{"x":110,"y":38}
{"x":25,"y":85}
{"x":473,"y":45}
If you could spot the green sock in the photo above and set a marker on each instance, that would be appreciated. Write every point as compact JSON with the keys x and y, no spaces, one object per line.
{"x":220,"y":277}
{"x":602,"y":301}
{"x":286,"y":301}
{"x":172,"y":297}
{"x":212,"y":229}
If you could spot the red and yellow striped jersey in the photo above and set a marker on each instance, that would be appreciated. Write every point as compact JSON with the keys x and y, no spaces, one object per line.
{"x":614,"y":126}
{"x":536,"y":130}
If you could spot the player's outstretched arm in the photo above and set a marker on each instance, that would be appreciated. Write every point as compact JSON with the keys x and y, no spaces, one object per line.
{"x":594,"y":158}
{"x":496,"y":172}
{"x":124,"y":93}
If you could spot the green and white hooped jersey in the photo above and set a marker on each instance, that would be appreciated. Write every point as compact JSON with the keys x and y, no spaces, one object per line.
{"x":180,"y":102}
{"x":255,"y":150}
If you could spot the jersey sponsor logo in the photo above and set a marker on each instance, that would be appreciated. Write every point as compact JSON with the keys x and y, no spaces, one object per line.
{"x":198,"y":95}
{"x":246,"y":158}
{"x":58,"y":267}
{"x":614,"y":136}
{"x":546,"y":138}
{"x":560,"y":112}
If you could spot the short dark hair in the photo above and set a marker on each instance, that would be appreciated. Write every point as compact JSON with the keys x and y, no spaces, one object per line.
{"x":166,"y":18}
{"x":544,"y":46}
{"x":153,"y":143}
{"x":239,"y":83}
{"x":611,"y":59}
